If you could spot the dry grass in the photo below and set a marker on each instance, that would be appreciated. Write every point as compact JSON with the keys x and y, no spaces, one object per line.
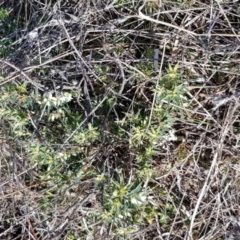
{"x":103,"y":51}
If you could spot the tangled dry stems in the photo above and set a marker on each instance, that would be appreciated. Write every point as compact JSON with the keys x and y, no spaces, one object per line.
{"x":95,"y":48}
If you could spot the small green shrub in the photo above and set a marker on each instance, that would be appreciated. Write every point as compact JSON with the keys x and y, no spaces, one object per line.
{"x":125,"y":204}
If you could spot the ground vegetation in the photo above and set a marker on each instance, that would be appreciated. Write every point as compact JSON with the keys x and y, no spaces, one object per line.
{"x":119,"y":119}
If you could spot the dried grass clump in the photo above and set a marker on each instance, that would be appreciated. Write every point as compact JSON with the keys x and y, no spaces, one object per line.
{"x":113,"y":57}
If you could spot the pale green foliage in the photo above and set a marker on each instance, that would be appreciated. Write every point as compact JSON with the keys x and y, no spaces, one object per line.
{"x":57,"y":101}
{"x":6,"y":26}
{"x":15,"y":105}
{"x":49,"y":101}
{"x":165,"y":216}
{"x":146,"y":137}
{"x":23,"y":111}
{"x":124,"y":202}
{"x":88,"y":136}
{"x":3,"y":14}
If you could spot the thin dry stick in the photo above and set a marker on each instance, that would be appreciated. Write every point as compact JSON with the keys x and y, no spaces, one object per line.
{"x":145,"y":17}
{"x":31,"y":228}
{"x":75,"y":49}
{"x":90,"y":114}
{"x":157,"y":83}
{"x":39,"y":86}
{"x":18,"y":191}
{"x":80,"y":57}
{"x":229,"y":24}
{"x":211,"y":170}
{"x":70,"y":212}
{"x":29,"y":69}
{"x":203,"y":191}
